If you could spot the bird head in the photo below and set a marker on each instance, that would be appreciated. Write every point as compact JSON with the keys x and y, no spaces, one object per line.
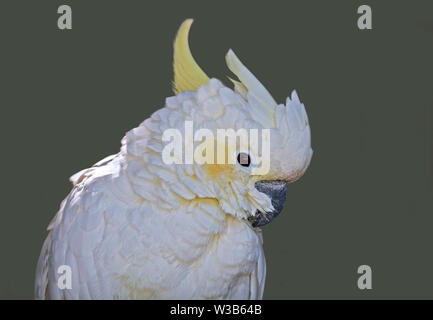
{"x":236,"y":145}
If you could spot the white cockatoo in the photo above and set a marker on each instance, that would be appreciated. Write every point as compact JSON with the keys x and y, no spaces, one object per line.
{"x":135,"y":226}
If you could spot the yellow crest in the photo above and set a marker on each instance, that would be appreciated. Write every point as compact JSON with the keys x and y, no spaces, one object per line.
{"x":188,"y":76}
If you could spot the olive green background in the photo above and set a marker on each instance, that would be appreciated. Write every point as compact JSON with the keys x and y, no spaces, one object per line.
{"x":68,"y":97}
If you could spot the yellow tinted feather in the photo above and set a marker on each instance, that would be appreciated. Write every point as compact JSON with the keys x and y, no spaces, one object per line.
{"x":188,"y":76}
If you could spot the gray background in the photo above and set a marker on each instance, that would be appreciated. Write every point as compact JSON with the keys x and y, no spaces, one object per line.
{"x":68,"y":97}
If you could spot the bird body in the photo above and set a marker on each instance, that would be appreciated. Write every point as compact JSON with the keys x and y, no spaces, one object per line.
{"x":136,"y":227}
{"x":129,"y":248}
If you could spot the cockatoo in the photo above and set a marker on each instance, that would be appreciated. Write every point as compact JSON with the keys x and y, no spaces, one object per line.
{"x":137,"y":227}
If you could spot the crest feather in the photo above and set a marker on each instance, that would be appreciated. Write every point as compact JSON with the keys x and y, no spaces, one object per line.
{"x":188,"y":76}
{"x":251,"y":83}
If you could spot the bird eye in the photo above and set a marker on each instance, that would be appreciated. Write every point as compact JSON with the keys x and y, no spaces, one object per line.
{"x":244,"y":159}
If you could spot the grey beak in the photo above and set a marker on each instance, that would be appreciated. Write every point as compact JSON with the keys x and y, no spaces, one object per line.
{"x":276,"y":190}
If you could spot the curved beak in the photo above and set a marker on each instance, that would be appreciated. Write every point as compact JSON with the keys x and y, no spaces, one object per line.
{"x":276,"y":190}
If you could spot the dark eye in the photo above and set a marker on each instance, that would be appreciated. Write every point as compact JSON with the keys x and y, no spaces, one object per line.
{"x":244,"y":159}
